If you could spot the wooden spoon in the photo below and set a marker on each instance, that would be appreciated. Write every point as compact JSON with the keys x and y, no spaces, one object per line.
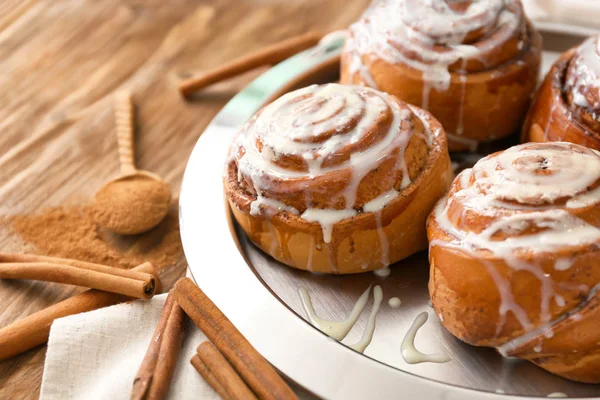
{"x":136,"y":201}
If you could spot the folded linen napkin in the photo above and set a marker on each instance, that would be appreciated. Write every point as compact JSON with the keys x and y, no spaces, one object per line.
{"x":568,"y":11}
{"x":96,"y":355}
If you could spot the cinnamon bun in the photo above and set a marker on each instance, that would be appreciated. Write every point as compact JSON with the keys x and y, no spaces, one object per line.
{"x":515,"y":256}
{"x":473,"y":64}
{"x":567,"y":105}
{"x":337,"y":179}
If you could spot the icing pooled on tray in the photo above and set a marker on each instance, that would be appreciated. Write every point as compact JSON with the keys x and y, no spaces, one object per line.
{"x":410,"y":353}
{"x":339,"y":329}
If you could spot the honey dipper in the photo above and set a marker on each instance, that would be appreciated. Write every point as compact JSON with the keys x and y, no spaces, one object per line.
{"x":136,"y":201}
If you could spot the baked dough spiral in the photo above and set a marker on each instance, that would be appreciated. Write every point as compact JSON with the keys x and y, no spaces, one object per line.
{"x":567,"y":105}
{"x":337,"y":179}
{"x":473,"y":64}
{"x":515,"y":256}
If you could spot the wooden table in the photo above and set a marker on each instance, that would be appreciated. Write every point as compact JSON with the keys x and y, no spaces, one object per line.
{"x":60,"y":63}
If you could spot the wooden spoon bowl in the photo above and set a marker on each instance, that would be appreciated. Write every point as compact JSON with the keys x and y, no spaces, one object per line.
{"x":136,"y":201}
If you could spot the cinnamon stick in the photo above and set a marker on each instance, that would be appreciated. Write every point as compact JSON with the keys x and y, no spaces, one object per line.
{"x":211,"y":362}
{"x":209,"y":377}
{"x":270,"y":55}
{"x":34,"y":329}
{"x":156,"y":371}
{"x":79,"y":273}
{"x":253,"y":368}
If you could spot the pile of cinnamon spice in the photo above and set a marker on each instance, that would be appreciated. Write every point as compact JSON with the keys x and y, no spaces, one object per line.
{"x":132,"y":204}
{"x":71,"y":232}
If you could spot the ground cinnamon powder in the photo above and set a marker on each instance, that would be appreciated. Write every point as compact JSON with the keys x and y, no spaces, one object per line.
{"x":132,"y":205}
{"x":71,"y":232}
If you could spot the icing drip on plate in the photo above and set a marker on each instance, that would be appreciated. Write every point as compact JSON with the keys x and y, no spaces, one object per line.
{"x":339,"y":329}
{"x":335,"y":329}
{"x":394,"y":302}
{"x":367,"y":336}
{"x":410,"y":353}
{"x":557,"y":395}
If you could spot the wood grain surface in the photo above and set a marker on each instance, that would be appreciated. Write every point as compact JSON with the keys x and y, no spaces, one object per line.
{"x":61,"y":61}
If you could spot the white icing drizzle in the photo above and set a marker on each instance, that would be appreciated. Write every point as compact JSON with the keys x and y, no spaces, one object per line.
{"x":550,"y":120}
{"x":558,"y":395}
{"x":335,"y":329}
{"x":384,"y":243}
{"x":378,"y":203}
{"x":428,"y":36}
{"x":545,"y":329}
{"x":327,"y":218}
{"x":339,"y":329}
{"x":394,"y":302}
{"x":563,"y":264}
{"x":367,"y":335}
{"x":295,"y":115}
{"x":527,"y":180}
{"x":410,"y":354}
{"x":383,"y":272}
{"x":310,"y":254}
{"x":318,"y":123}
{"x":585,"y":200}
{"x":255,"y":208}
{"x":587,"y":73}
{"x":273,"y":233}
{"x":461,"y":111}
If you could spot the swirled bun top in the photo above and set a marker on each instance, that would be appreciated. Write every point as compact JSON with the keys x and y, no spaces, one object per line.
{"x":331,"y":152}
{"x":582,"y":81}
{"x":438,"y":37}
{"x":528,"y":198}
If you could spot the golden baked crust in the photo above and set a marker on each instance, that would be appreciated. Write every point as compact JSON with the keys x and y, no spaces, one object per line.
{"x":515,"y":256}
{"x":347,"y":192}
{"x":475,"y":71}
{"x":567,"y":106}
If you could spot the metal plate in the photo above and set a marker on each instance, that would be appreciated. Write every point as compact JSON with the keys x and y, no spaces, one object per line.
{"x":266,"y":309}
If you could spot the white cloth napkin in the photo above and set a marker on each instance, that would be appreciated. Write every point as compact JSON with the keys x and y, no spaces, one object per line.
{"x":569,"y":11}
{"x":96,"y":355}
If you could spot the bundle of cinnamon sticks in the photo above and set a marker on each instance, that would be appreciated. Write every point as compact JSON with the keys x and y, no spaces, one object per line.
{"x":229,"y":363}
{"x":108,"y":286}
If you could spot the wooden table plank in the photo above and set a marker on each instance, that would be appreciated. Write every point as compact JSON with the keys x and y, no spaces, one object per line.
{"x":62,"y":61}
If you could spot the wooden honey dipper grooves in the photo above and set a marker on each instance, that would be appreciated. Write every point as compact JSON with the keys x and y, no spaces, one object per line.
{"x":260,"y":376}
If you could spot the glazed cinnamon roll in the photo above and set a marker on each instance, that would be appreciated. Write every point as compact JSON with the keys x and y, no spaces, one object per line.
{"x":337,"y":179}
{"x":515,"y":256}
{"x":473,"y":64}
{"x":567,"y":105}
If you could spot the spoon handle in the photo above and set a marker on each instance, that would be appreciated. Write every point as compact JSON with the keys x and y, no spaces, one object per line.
{"x":124,"y":123}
